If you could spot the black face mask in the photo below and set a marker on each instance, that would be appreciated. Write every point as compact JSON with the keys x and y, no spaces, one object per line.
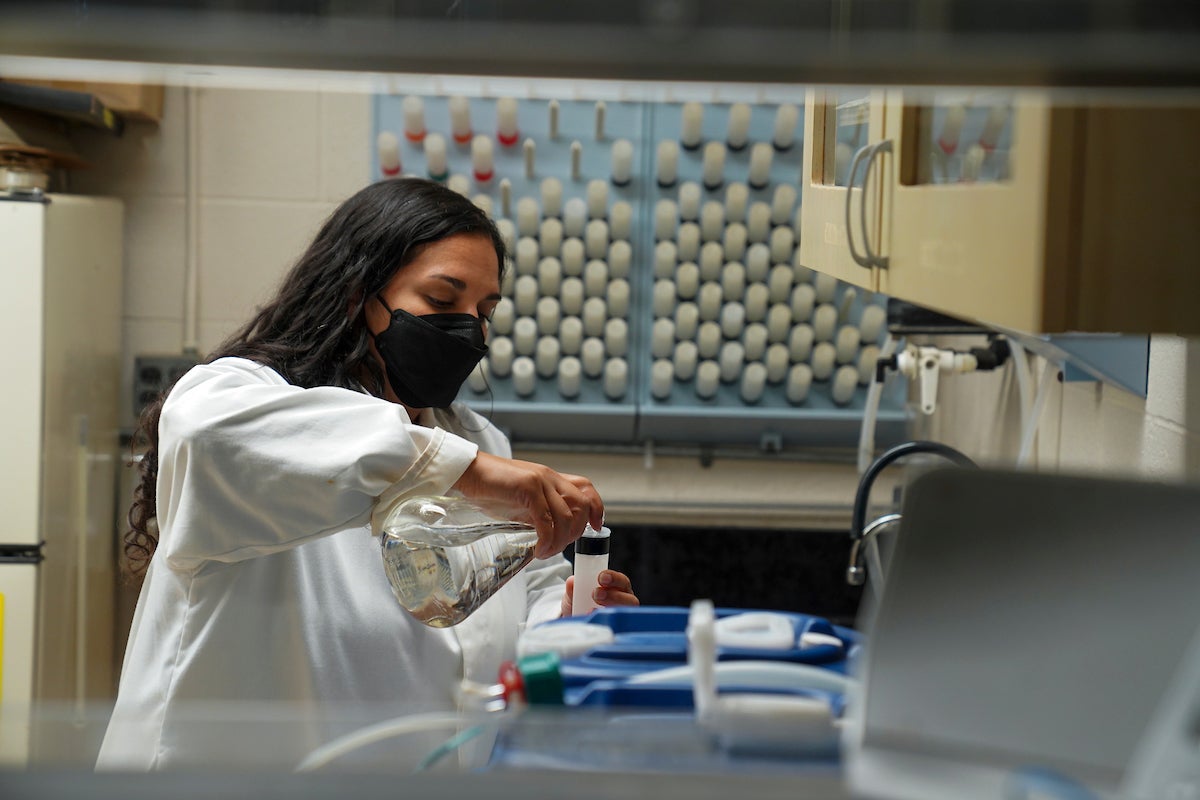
{"x":428,"y":357}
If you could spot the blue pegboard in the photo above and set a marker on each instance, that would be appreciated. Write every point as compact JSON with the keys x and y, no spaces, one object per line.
{"x":545,"y":415}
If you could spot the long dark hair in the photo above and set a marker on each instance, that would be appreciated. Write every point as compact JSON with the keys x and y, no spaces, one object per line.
{"x":313,"y":331}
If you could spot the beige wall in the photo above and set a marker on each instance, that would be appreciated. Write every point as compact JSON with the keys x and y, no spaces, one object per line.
{"x":271,"y":164}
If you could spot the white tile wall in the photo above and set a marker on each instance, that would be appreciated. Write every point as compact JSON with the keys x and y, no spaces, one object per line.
{"x":272,"y":165}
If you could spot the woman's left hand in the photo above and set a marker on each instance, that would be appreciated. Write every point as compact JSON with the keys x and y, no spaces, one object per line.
{"x":614,"y":590}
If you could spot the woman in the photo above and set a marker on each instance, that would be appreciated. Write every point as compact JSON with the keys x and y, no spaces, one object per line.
{"x":264,"y":592}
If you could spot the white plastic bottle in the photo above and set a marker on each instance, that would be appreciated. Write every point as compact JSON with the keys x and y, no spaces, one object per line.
{"x":591,"y":558}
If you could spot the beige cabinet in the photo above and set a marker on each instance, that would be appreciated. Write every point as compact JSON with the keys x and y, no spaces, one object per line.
{"x":839,"y":125}
{"x":1019,"y":210}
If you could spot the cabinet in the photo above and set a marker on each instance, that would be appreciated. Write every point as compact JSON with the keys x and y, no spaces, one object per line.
{"x":1017,"y":211}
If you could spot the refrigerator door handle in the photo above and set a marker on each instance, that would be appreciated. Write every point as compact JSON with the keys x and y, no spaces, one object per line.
{"x":22,"y":553}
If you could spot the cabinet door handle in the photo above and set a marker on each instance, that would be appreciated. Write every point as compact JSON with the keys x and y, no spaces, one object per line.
{"x":859,"y":258}
{"x":872,"y":257}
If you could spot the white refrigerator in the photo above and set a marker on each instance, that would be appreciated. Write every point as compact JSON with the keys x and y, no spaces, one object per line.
{"x":60,"y":335}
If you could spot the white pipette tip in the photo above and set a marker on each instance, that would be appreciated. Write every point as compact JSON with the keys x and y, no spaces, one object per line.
{"x":388,"y":148}
{"x":414,"y":119}
{"x":482,"y":164}
{"x":460,"y":120}
{"x":507,"y":132}
{"x":435,"y":157}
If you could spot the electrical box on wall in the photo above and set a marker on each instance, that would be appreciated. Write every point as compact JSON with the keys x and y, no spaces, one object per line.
{"x":154,"y":373}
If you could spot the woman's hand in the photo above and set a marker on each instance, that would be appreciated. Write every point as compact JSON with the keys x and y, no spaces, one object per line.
{"x":614,"y":590}
{"x":557,"y":505}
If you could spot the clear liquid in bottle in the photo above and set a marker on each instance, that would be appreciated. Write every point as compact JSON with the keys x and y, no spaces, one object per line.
{"x":444,"y":557}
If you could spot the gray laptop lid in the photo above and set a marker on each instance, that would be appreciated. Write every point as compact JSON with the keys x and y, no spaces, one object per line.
{"x":1031,"y":619}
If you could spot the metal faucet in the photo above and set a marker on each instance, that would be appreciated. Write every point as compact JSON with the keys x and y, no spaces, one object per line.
{"x":856,"y":572}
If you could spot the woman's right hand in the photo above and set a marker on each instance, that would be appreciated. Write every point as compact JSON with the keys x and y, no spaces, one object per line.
{"x":558,"y":505}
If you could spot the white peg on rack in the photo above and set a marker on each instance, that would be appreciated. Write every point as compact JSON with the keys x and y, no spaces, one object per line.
{"x":574,"y":217}
{"x":524,"y":335}
{"x":663,"y":297}
{"x":847,"y":344}
{"x":754,"y":382}
{"x":779,"y":322}
{"x":569,"y":377}
{"x":572,"y":254}
{"x":601,"y":108}
{"x":757,"y":301}
{"x":595,"y":278}
{"x":737,"y":196}
{"x":846,"y":304}
{"x":595,"y":314}
{"x":595,"y":238}
{"x":687,"y":320}
{"x":528,"y":216}
{"x":665,"y":219}
{"x":477,"y":380}
{"x":708,"y":377}
{"x":570,"y":335}
{"x":622,"y":162}
{"x":481,"y":160}
{"x":739,"y":127}
{"x":709,"y":301}
{"x":758,"y":222}
{"x":662,"y":377}
{"x":527,"y":255}
{"x":712,"y":221}
{"x":591,"y":353}
{"x":734,"y":241}
{"x":616,"y":378}
{"x":435,"y":157}
{"x":507,"y":132}
{"x":733,"y":320}
{"x":414,"y":118}
{"x":733,"y":281}
{"x":804,"y":299}
{"x":460,"y":120}
{"x":800,"y":343}
{"x":689,"y":201}
{"x":503,"y":316}
{"x":782,"y":203}
{"x":665,"y":255}
{"x":691,"y":133}
{"x":571,"y":295}
{"x":779,"y":283}
{"x":993,"y":125}
{"x":845,"y":381}
{"x":500,"y":356}
{"x":868,"y":357}
{"x":662,"y":337}
{"x":597,"y":199}
{"x":799,"y":382}
{"x":712,"y":258}
{"x":952,"y":128}
{"x":760,"y":166}
{"x":547,"y":355}
{"x":824,"y":322}
{"x":783,"y":241}
{"x":758,"y":262}
{"x":529,"y":148}
{"x":620,"y":259}
{"x":616,"y":337}
{"x":620,"y":220}
{"x":617,"y":296}
{"x":667,"y":164}
{"x":870,"y":323}
{"x":754,"y":340}
{"x":549,"y":277}
{"x":824,"y":357}
{"x":786,"y":118}
{"x":550,"y":237}
{"x":731,"y":360}
{"x":825,"y":286}
{"x":387,"y":147}
{"x":552,"y":110}
{"x":506,"y":198}
{"x":777,"y":362}
{"x":524,"y":376}
{"x":525,"y":296}
{"x":685,"y":358}
{"x":688,"y":239}
{"x":483,"y":202}
{"x":460,"y":184}
{"x":687,"y":280}
{"x":714,"y":166}
{"x":576,"y":160}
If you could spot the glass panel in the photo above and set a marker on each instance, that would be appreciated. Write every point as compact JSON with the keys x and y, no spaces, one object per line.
{"x":846,"y":130}
{"x":965,"y":137}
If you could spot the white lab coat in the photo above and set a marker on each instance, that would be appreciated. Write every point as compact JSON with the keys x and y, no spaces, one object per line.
{"x":266,"y":625}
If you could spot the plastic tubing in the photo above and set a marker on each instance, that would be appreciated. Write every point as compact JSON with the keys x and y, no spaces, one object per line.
{"x":1021,"y":371}
{"x":1025,"y":454}
{"x":866,"y":435}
